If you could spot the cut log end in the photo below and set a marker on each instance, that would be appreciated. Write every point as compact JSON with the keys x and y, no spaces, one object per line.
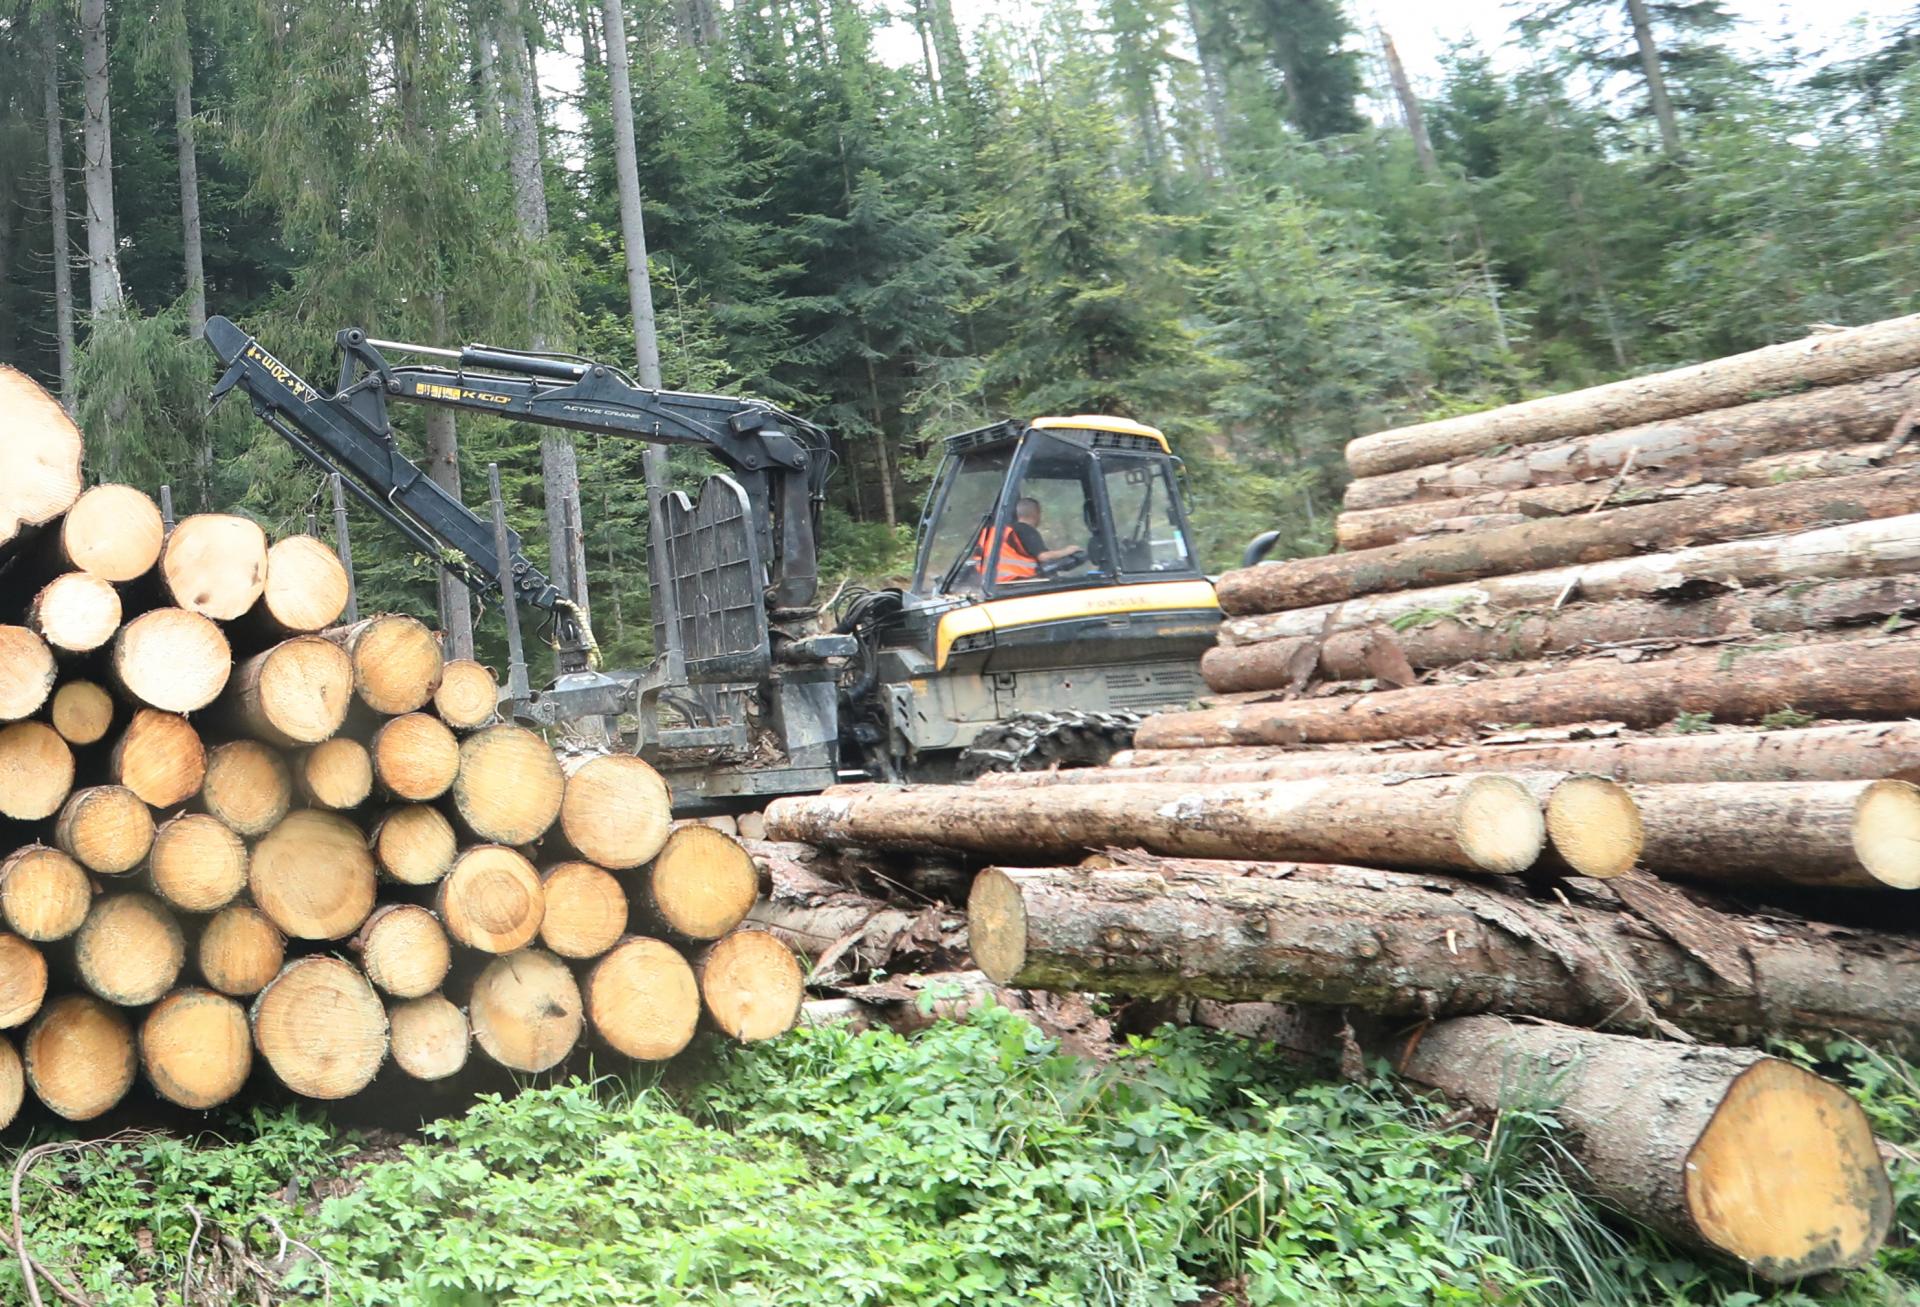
{"x":415,"y":757}
{"x":468,"y":695}
{"x":160,"y":758}
{"x":617,"y":811}
{"x":114,"y":532}
{"x":703,"y":883}
{"x":526,"y":1010}
{"x":1502,"y":828}
{"x":586,"y":910}
{"x":510,"y":785}
{"x":430,"y":1037}
{"x":404,"y":950}
{"x":23,"y":981}
{"x":240,"y":951}
{"x":297,"y":692}
{"x":36,"y":771}
{"x":82,"y":712}
{"x":215,"y":564}
{"x":415,"y":845}
{"x":39,"y":459}
{"x":44,"y":894}
{"x":13,"y":1083}
{"x":197,"y":863}
{"x":337,"y":774}
{"x":313,"y":876}
{"x":307,"y":587}
{"x":321,"y":1028}
{"x":1786,"y":1177}
{"x":248,"y":787}
{"x":997,"y":925}
{"x":26,"y":673}
{"x":1594,"y":825}
{"x":751,"y":985}
{"x":129,"y":951}
{"x":173,"y":660}
{"x":107,"y":829}
{"x":396,"y":663}
{"x":1886,"y":833}
{"x":644,"y":999}
{"x":79,"y":1057}
{"x":76,"y":613}
{"x":196,"y":1049}
{"x":492,"y":900}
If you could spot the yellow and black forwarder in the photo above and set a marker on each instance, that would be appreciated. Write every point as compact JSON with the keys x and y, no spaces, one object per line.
{"x":1055,"y":594}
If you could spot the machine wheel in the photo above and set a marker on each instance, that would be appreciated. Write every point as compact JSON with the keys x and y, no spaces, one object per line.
{"x":1041,"y":740}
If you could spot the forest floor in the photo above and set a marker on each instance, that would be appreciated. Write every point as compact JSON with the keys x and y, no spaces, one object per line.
{"x":974,"y":1163}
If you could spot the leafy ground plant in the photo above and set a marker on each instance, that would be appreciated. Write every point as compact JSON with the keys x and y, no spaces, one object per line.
{"x":972,"y":1164}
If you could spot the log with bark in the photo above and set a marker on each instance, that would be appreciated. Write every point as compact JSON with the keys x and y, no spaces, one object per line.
{"x":196,"y":1048}
{"x":39,"y":459}
{"x":1830,"y":359}
{"x":79,"y":1057}
{"x":36,"y":771}
{"x":320,"y":1028}
{"x":643,"y":999}
{"x":838,"y":928}
{"x":1868,"y":679}
{"x":1485,"y":824}
{"x":1426,"y":946}
{"x":215,"y":564}
{"x":1832,"y":834}
{"x":1563,"y":541}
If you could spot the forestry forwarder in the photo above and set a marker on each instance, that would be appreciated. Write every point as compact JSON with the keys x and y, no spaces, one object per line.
{"x":1003,"y":653}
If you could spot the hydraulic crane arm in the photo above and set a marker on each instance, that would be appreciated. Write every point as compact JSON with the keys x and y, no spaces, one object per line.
{"x":780,"y":461}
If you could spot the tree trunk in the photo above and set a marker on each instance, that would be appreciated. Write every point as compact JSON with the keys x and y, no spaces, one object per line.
{"x":443,"y":469}
{"x":336,"y":774}
{"x":1845,"y":834}
{"x":1577,"y":628}
{"x":414,"y":845}
{"x":106,"y":828}
{"x":321,"y":1028}
{"x":1213,"y":80}
{"x":196,"y":1048}
{"x":248,"y":787}
{"x":298,"y":692}
{"x":1486,"y":824}
{"x":1828,"y":359}
{"x":643,"y":1000}
{"x":702,"y":885}
{"x":1688,"y":1140}
{"x":197,"y":864}
{"x":1430,"y":946}
{"x":82,"y":714}
{"x":39,"y":459}
{"x":415,"y":757}
{"x":44,"y":894}
{"x":240,"y":951}
{"x":59,"y":256}
{"x":751,"y":985}
{"x":397,"y":662}
{"x":509,"y":787}
{"x":1714,"y":444}
{"x":79,"y":1057}
{"x":129,"y":951}
{"x":1656,"y":78}
{"x":1409,"y":108}
{"x":103,"y":256}
{"x":492,"y":900}
{"x":160,"y":758}
{"x":1873,"y":678}
{"x":430,"y":1037}
{"x":468,"y":695}
{"x":23,"y":981}
{"x":586,"y":911}
{"x":196,"y":276}
{"x":526,"y":1011}
{"x":313,"y":876}
{"x":404,"y":950}
{"x":215,"y":564}
{"x":1559,"y":542}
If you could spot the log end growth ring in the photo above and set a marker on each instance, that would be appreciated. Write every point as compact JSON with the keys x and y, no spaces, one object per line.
{"x":1786,"y":1177}
{"x":997,"y":925}
{"x":1502,"y":828}
{"x":1886,"y":833}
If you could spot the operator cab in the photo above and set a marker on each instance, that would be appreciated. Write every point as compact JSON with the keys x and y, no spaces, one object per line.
{"x":1061,"y":503}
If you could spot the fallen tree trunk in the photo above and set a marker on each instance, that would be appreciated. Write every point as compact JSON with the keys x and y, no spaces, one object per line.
{"x":1885,"y":547}
{"x":1847,"y":834}
{"x":1478,"y":824}
{"x":1558,"y":542}
{"x":1830,"y":359}
{"x":1727,"y":1150}
{"x":39,"y":459}
{"x":1832,"y":417}
{"x":1875,"y":678}
{"x":1580,"y":627}
{"x":1430,"y":946}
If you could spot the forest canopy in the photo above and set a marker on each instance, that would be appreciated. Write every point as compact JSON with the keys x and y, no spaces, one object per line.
{"x":1239,"y":220}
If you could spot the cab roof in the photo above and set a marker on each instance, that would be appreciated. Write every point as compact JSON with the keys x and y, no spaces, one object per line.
{"x":1012,"y":429}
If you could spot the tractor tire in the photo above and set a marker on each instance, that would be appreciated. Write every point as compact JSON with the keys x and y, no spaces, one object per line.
{"x":1041,"y":741}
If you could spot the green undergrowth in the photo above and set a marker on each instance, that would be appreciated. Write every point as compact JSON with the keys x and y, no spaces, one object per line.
{"x":973,"y":1164}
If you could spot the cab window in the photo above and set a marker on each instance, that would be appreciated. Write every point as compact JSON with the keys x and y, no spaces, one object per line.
{"x":972,"y":491}
{"x":1146,"y":522}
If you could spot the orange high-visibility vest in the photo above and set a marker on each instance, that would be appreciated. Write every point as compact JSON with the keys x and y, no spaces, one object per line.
{"x":1015,"y":564}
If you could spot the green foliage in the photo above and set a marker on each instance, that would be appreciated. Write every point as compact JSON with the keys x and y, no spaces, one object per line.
{"x":1786,"y":719}
{"x":1693,"y":723}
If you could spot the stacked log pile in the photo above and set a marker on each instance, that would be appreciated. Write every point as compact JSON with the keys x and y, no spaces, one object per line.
{"x":1585,"y":773}
{"x":241,"y":844}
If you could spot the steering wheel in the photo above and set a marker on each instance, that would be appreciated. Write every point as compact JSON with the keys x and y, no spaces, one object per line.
{"x":1065,"y":563}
